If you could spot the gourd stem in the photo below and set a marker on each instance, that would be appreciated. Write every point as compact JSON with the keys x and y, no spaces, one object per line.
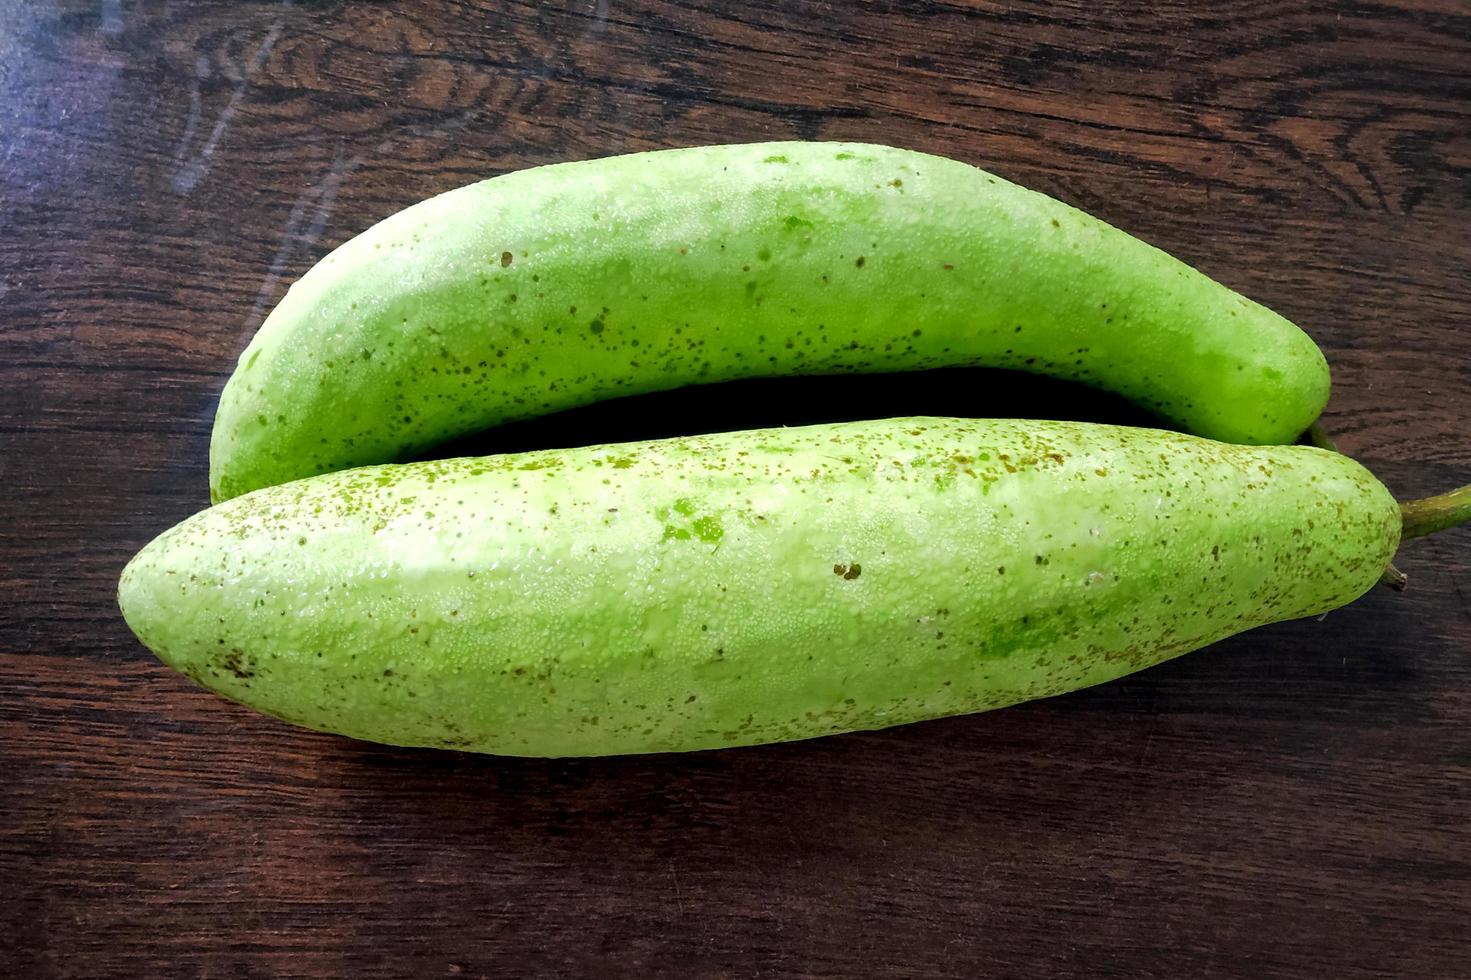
{"x":1318,"y":436}
{"x":1438,"y":513}
{"x":1394,"y":578}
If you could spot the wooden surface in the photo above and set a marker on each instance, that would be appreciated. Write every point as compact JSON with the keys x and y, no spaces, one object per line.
{"x":1294,"y":803}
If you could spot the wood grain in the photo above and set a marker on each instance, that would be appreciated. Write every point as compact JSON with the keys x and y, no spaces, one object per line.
{"x":1292,"y":803}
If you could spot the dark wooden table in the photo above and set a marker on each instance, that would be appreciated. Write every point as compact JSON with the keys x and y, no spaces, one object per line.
{"x":1295,"y":802}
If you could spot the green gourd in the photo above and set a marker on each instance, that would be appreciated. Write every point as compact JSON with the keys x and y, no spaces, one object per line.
{"x":562,"y":285}
{"x":749,"y":587}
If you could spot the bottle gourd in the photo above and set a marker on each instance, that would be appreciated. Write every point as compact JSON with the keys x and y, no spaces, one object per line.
{"x":562,"y":285}
{"x":751,"y":586}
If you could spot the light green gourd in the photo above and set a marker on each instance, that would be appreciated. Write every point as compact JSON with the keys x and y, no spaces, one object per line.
{"x":747,"y":587}
{"x":562,"y":285}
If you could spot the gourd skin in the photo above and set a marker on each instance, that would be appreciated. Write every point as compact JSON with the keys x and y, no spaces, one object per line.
{"x":747,"y":587}
{"x":562,"y":285}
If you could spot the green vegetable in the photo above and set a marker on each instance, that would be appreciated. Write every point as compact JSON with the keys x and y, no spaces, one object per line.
{"x":563,"y":285}
{"x":747,"y":587}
